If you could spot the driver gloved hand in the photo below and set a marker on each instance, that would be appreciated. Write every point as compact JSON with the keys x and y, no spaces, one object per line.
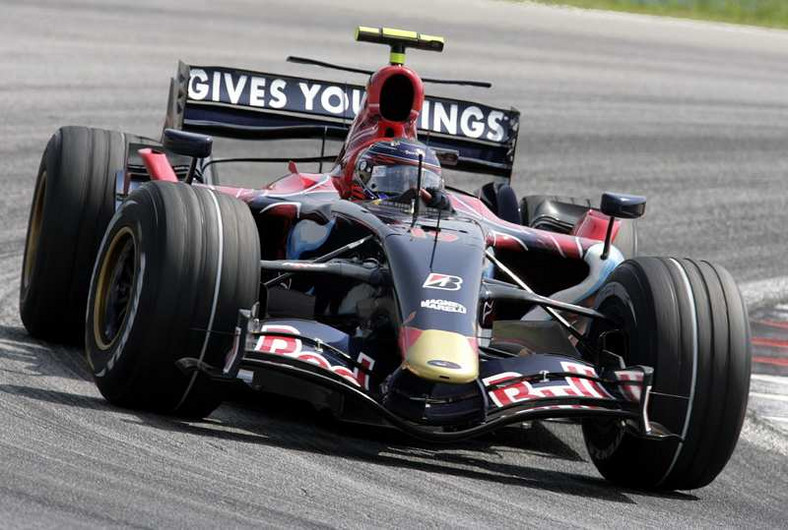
{"x":406,"y":197}
{"x":436,"y":198}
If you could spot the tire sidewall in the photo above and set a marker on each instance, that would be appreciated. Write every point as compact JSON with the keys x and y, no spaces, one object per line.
{"x":110,"y":366}
{"x":49,"y":165}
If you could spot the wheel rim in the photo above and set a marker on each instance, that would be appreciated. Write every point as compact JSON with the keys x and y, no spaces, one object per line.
{"x":114,"y":288}
{"x":34,"y":230}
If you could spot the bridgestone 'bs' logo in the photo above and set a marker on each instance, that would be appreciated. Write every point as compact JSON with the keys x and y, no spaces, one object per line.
{"x":442,"y":281}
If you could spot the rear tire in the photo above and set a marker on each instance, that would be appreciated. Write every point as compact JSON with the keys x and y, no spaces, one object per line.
{"x":687,"y":320}
{"x":176,"y":261}
{"x":501,"y":200}
{"x":74,"y":200}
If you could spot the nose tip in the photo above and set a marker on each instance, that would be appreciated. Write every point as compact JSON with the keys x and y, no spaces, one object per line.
{"x":443,"y":356}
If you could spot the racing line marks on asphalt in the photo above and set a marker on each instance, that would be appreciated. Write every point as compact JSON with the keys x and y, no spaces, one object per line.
{"x":776,"y":361}
{"x":769,"y":391}
{"x":771,"y":343}
{"x":771,"y":323}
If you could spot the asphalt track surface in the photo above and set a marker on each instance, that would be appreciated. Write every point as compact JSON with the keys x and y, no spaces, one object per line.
{"x":695,"y":116}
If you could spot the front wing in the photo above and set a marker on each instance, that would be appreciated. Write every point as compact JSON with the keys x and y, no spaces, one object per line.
{"x":326,"y":368}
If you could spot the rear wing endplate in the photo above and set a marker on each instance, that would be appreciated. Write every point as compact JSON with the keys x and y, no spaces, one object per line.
{"x":234,"y":103}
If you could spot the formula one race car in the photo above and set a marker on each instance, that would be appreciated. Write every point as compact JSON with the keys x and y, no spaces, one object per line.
{"x":374,"y":291}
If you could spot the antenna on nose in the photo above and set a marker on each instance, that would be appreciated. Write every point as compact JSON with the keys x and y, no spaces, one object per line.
{"x":418,"y":192}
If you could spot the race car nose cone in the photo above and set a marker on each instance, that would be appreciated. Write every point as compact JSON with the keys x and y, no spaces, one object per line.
{"x":443,"y":356}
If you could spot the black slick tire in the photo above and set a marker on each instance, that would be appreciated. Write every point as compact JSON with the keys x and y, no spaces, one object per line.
{"x":502,"y":200}
{"x":687,"y":320}
{"x":72,"y":204}
{"x":176,"y":261}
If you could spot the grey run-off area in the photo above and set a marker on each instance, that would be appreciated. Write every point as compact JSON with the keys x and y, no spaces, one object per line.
{"x":692,"y":115}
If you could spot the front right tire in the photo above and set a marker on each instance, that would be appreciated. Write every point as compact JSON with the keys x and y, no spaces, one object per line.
{"x":687,"y":320}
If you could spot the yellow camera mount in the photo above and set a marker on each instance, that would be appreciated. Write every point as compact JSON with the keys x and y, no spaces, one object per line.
{"x":399,"y":40}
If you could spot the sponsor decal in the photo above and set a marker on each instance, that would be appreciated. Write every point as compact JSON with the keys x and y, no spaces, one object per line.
{"x":265,"y":91}
{"x":368,"y":363}
{"x":445,"y":282}
{"x":289,"y":346}
{"x":444,"y":364}
{"x":487,"y":310}
{"x":443,"y":305}
{"x":633,"y":392}
{"x":525,"y":391}
{"x":294,"y":348}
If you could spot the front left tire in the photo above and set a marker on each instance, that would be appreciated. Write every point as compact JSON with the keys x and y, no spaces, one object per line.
{"x":175,"y":266}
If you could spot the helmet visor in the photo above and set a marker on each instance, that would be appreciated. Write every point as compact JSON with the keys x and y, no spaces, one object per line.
{"x":396,"y":180}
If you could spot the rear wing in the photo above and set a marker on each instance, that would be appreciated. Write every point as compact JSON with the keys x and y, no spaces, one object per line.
{"x":242,"y":104}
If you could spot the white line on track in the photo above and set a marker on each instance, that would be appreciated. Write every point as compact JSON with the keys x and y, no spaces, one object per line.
{"x":780,"y":380}
{"x":781,"y":419}
{"x":773,"y":397}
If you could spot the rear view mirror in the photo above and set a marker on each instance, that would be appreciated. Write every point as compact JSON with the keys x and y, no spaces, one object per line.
{"x":187,"y":144}
{"x":623,"y":206}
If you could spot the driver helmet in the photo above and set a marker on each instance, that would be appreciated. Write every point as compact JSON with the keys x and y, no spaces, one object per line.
{"x":389,"y":168}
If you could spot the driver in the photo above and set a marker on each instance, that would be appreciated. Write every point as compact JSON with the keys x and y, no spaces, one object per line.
{"x":389,"y":170}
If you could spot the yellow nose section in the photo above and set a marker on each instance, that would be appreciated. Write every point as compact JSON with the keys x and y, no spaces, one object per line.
{"x":443,"y":356}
